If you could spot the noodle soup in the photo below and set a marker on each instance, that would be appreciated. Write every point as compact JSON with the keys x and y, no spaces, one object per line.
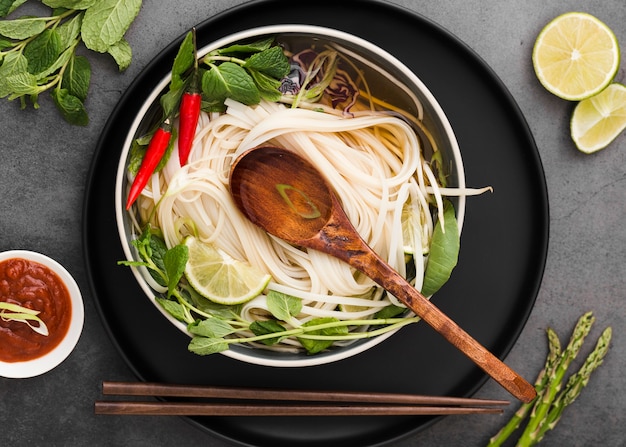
{"x":382,"y":142}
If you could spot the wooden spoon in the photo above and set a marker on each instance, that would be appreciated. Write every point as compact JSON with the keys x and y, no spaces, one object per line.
{"x":286,"y":196}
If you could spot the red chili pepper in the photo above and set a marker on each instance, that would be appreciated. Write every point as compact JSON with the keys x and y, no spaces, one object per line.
{"x":189,"y":110}
{"x":156,"y":149}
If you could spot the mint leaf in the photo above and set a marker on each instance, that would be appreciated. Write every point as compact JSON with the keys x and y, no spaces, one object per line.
{"x":267,"y":327}
{"x":70,"y":4}
{"x":42,"y":51}
{"x":229,"y":80}
{"x":253,"y":47}
{"x":8,"y":6}
{"x":23,"y":27}
{"x":271,"y":62}
{"x":211,"y":328}
{"x":268,"y":87}
{"x":444,"y":252}
{"x":106,"y":22}
{"x":173,"y":308}
{"x":71,"y":107}
{"x":77,"y":76}
{"x":283,"y":306}
{"x":69,"y":31}
{"x":315,"y":346}
{"x":14,"y":63}
{"x":122,"y":54}
{"x":207,"y":346}
{"x":174,"y":261}
{"x":22,"y":84}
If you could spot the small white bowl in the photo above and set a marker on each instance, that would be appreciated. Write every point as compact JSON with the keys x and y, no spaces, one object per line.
{"x":45,"y":363}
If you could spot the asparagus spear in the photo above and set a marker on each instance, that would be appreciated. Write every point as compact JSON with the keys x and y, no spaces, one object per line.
{"x":546,"y":410}
{"x":554,"y":346}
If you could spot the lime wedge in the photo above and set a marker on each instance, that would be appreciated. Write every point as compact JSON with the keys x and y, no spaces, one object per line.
{"x":576,"y":56}
{"x":598,"y":120}
{"x":220,"y":278}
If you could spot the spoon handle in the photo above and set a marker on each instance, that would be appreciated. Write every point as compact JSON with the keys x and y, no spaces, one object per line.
{"x":353,"y":250}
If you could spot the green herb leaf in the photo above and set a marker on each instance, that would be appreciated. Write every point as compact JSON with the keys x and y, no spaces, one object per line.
{"x":23,"y":27}
{"x":229,"y":80}
{"x":122,"y":54}
{"x":8,"y":6}
{"x":106,"y":22}
{"x":77,"y":76}
{"x":271,"y":62}
{"x":444,"y":252}
{"x":71,"y":107}
{"x":173,"y":308}
{"x":42,"y":51}
{"x":314,"y":346}
{"x":283,"y":306}
{"x":211,"y":328}
{"x":253,"y":47}
{"x":268,"y":87}
{"x":182,"y":62}
{"x":69,"y":31}
{"x":70,"y":4}
{"x":174,"y":261}
{"x":265,"y":327}
{"x":207,"y":346}
{"x":390,"y":311}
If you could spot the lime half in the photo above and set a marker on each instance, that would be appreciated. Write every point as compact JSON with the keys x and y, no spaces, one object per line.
{"x":598,"y":120}
{"x":576,"y":56}
{"x":220,"y":278}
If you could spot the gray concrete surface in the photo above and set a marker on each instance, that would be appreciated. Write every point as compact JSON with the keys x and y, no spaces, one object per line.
{"x":42,"y":181}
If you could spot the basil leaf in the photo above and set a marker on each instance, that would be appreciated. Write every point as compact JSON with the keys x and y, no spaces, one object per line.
{"x":211,"y":328}
{"x":106,"y":22}
{"x":283,"y":306}
{"x":264,"y":327}
{"x":122,"y":53}
{"x":271,"y":62}
{"x":70,"y":4}
{"x":315,"y":346}
{"x":444,"y":252}
{"x":207,"y":346}
{"x":8,"y":6}
{"x":77,"y":76}
{"x":71,"y":107}
{"x":229,"y":80}
{"x":22,"y":28}
{"x":182,"y":62}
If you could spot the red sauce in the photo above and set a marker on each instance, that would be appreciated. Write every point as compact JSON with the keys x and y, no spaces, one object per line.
{"x":35,"y":286}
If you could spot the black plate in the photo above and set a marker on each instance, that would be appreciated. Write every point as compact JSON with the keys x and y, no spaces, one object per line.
{"x":491,"y":293}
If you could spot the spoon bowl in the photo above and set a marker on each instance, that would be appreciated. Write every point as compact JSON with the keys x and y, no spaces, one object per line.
{"x":286,"y":196}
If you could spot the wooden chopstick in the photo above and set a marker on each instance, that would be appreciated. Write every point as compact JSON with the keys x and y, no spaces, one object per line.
{"x":212,"y":409}
{"x":168,"y":390}
{"x":326,"y":403}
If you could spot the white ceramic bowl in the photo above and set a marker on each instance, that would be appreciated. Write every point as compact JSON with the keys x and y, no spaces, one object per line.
{"x":434,"y":118}
{"x":45,"y":363}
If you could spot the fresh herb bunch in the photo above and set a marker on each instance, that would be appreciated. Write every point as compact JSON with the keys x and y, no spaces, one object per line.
{"x":552,"y":397}
{"x":39,"y":54}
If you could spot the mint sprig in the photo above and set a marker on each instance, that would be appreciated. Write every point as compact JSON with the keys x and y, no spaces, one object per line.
{"x":38,"y":54}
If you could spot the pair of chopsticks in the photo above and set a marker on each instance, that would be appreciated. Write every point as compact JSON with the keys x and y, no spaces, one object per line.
{"x":270,"y":402}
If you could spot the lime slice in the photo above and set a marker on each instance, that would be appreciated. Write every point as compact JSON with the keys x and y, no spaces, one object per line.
{"x":576,"y":56}
{"x":411,"y":230}
{"x":220,"y":278}
{"x":600,"y":119}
